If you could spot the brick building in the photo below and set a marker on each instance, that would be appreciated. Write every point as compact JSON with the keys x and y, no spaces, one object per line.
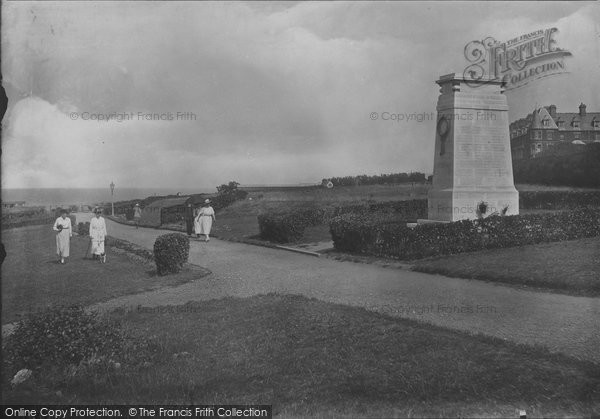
{"x":545,"y":127}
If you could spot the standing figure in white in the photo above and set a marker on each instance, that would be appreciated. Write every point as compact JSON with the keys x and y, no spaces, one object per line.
{"x":204,"y":220}
{"x":98,"y":235}
{"x":63,"y":237}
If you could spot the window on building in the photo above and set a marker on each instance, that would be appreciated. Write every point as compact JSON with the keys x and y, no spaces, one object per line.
{"x":549,"y":135}
{"x":537,"y":135}
{"x":596,"y":124}
{"x":560,"y":124}
{"x":576,"y":135}
{"x":562,"y":137}
{"x":546,"y":122}
{"x":575,"y":124}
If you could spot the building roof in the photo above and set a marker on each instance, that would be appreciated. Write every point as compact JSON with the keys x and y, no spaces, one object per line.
{"x":539,"y":117}
{"x":535,"y":120}
{"x":169,"y":202}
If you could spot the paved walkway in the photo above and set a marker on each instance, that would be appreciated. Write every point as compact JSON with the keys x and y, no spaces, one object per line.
{"x":559,"y":322}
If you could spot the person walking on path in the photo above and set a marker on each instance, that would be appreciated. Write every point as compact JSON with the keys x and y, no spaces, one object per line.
{"x":98,"y":236}
{"x":137,"y":215}
{"x":204,"y":220}
{"x":189,"y":219}
{"x":63,"y":238}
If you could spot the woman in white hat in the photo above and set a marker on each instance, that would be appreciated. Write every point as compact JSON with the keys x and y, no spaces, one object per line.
{"x":204,"y":220}
{"x":98,"y":235}
{"x":137,"y":215}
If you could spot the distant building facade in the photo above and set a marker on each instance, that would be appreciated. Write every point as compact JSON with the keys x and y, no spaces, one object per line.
{"x":546,"y":127}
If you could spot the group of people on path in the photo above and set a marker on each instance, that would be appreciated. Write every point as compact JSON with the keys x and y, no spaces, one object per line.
{"x":198,"y":221}
{"x":97,"y":235}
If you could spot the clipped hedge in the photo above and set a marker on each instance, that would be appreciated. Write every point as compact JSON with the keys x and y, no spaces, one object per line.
{"x":171,"y":252}
{"x":558,"y":200}
{"x":385,"y":236}
{"x":285,"y":227}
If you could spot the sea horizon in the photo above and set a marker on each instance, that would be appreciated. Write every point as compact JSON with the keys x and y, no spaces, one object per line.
{"x":89,"y":196}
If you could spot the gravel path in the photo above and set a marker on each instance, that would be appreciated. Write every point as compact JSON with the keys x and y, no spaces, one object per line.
{"x":559,"y":322}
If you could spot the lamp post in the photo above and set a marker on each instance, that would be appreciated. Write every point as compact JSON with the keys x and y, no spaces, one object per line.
{"x":112,"y":200}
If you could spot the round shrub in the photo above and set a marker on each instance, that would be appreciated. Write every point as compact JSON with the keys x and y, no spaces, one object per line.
{"x":171,"y":252}
{"x":60,"y":336}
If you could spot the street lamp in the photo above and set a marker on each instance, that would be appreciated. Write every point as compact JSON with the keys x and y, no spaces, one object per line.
{"x":112,"y":200}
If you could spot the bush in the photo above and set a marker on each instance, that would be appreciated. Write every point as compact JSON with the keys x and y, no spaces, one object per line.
{"x":386,"y":236}
{"x":60,"y":336}
{"x":171,"y":252}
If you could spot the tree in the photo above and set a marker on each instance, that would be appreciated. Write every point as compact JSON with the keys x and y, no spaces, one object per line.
{"x":230,"y":188}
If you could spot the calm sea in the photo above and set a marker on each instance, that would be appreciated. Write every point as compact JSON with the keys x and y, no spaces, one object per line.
{"x":79,"y":196}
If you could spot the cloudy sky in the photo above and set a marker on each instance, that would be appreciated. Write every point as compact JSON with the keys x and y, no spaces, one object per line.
{"x":272,"y":92}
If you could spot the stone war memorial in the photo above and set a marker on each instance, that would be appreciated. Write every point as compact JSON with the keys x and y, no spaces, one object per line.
{"x":472,"y":163}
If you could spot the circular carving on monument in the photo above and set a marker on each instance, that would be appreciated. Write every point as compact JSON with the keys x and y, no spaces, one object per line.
{"x":443,"y":126}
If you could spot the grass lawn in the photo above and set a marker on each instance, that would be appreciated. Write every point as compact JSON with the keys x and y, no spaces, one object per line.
{"x":571,"y":267}
{"x":310,"y":358}
{"x":31,"y":278}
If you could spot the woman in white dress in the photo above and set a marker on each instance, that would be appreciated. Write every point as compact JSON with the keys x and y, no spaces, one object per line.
{"x":98,"y":235}
{"x":63,"y":238}
{"x":204,"y":220}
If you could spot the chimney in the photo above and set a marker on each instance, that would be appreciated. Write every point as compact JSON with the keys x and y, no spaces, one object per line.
{"x":582,"y":110}
{"x":552,"y":110}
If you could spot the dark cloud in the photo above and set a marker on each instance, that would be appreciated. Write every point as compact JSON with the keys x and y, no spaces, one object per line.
{"x":280,"y":92}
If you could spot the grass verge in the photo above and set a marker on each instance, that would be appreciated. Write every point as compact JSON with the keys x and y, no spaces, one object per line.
{"x":310,"y":358}
{"x":569,"y":267}
{"x":32,"y":280}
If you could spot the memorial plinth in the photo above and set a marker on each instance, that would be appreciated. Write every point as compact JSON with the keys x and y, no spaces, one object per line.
{"x":472,"y":161}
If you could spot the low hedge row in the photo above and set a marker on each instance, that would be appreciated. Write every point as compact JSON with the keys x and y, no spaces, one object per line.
{"x":285,"y":227}
{"x":558,"y":200}
{"x":388,"y":237}
{"x":43,"y":219}
{"x":29,"y":222}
